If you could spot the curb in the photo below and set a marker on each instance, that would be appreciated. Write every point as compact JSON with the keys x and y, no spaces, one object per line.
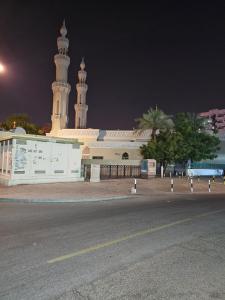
{"x":55,"y":201}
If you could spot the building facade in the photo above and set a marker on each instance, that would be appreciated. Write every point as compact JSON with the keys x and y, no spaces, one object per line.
{"x":80,"y":107}
{"x":60,"y":87}
{"x":215,"y":120}
{"x":97,"y":143}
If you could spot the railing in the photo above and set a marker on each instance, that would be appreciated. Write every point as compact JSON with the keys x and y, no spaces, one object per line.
{"x":114,"y":171}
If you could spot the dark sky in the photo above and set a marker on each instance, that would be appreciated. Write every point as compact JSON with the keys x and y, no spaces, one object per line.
{"x":137,"y":55}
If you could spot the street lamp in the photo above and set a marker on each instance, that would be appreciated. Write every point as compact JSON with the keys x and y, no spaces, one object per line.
{"x":2,"y":68}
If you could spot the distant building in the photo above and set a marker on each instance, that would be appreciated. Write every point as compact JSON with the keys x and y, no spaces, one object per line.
{"x":215,"y":120}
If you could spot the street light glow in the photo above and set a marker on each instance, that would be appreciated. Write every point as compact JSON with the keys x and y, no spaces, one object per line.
{"x":2,"y":68}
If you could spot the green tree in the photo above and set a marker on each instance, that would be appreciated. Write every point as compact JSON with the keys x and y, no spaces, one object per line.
{"x":163,"y":148}
{"x":156,"y":120}
{"x":195,"y":143}
{"x":188,"y":141}
{"x":20,"y":120}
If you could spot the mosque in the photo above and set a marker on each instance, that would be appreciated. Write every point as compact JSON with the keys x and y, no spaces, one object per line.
{"x":97,"y":143}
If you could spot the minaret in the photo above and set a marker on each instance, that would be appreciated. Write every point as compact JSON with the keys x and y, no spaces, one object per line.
{"x":61,"y":87}
{"x":81,"y":107}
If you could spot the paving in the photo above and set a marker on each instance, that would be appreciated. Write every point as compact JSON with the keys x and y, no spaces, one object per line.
{"x":141,"y":247}
{"x":105,"y":190}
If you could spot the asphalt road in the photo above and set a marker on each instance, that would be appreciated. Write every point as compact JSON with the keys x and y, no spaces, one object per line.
{"x":139,"y":248}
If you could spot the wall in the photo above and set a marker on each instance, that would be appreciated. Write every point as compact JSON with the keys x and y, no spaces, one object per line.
{"x":114,"y":153}
{"x":108,"y":144}
{"x":42,"y":161}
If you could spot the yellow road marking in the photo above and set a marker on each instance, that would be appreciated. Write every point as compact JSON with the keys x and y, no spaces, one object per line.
{"x":129,"y":237}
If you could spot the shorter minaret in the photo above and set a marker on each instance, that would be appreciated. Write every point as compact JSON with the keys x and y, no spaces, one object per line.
{"x":80,"y":107}
{"x":60,"y":86}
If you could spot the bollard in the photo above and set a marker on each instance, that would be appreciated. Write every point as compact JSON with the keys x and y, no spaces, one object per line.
{"x":209,"y":186}
{"x":162,"y":171}
{"x":192,"y":189}
{"x":213,"y":179}
{"x":170,"y":175}
{"x":171,"y":184}
{"x":134,"y":188}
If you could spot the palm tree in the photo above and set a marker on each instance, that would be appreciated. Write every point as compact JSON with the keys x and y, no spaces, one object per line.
{"x":154,"y":119}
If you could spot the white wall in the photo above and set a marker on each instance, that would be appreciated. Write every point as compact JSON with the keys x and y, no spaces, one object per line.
{"x":35,"y":161}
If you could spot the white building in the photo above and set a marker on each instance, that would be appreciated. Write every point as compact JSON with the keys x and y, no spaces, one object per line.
{"x":98,"y":144}
{"x":29,"y":159}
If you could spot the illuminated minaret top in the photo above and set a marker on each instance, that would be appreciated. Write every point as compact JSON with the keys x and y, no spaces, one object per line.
{"x":61,"y":87}
{"x":80,"y":107}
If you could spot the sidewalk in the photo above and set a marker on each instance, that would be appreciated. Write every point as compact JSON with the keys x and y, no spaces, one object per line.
{"x":104,"y":190}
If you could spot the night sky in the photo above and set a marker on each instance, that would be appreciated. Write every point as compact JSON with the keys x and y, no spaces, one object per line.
{"x":137,"y":55}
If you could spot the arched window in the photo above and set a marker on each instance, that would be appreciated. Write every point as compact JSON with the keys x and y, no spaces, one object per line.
{"x":125,"y":155}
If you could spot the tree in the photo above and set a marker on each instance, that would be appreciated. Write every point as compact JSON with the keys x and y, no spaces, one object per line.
{"x":186,"y":142}
{"x":213,"y":124}
{"x":195,"y":144}
{"x":156,"y":120}
{"x":186,"y":123}
{"x":46,"y":128}
{"x":163,"y":148}
{"x":20,"y":120}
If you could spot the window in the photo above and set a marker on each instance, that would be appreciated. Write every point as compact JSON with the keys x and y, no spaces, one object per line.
{"x":125,"y":155}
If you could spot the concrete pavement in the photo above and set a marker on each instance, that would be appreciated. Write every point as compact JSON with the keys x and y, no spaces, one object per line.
{"x":130,"y":249}
{"x":104,"y":190}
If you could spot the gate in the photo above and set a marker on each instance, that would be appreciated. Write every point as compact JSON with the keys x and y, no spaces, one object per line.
{"x":114,"y":171}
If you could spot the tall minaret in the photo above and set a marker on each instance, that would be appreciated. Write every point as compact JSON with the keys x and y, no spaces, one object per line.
{"x":81,"y":107}
{"x":61,"y":87}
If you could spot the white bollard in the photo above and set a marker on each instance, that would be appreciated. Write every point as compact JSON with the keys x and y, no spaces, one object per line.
{"x":134,"y":188}
{"x":209,"y":186}
{"x":192,"y":189}
{"x":171,"y":184}
{"x":162,"y":171}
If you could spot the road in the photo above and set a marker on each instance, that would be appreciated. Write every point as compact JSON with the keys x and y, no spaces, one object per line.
{"x":155,"y":247}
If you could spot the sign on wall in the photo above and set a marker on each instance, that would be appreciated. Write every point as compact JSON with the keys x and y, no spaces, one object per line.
{"x":37,"y":157}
